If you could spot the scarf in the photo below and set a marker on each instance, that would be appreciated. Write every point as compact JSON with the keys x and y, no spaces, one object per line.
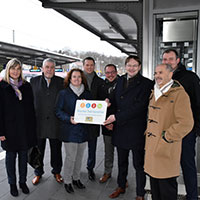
{"x":15,"y":85}
{"x":77,"y":90}
{"x":89,"y":78}
{"x":158,"y":92}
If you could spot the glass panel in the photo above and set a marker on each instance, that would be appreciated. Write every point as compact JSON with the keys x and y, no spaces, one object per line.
{"x":178,"y":31}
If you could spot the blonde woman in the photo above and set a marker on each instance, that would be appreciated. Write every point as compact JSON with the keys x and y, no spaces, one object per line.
{"x":17,"y":123}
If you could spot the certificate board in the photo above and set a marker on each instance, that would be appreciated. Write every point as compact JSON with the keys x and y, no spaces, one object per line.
{"x":90,"y":111}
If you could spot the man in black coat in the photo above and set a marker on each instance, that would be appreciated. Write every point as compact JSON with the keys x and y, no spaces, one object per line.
{"x":108,"y":92}
{"x":191,"y":83}
{"x":94,"y":85}
{"x":130,"y":119}
{"x":45,"y":90}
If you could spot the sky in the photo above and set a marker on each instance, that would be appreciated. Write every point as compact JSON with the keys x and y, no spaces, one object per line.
{"x":43,"y":28}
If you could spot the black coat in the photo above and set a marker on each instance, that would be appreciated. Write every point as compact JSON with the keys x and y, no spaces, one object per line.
{"x":44,"y":101}
{"x":107,"y":91}
{"x":131,"y":104}
{"x":17,"y":118}
{"x":65,"y":108}
{"x":191,"y":83}
{"x":95,"y":92}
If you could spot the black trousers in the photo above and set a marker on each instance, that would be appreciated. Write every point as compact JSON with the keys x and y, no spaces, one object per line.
{"x":91,"y":161}
{"x":138,"y":163}
{"x":56,"y":156}
{"x":188,"y":165}
{"x":164,"y":189}
{"x":11,"y":166}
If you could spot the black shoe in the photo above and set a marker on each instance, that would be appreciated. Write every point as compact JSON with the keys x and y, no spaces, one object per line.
{"x":91,"y":175}
{"x":69,"y":188}
{"x":13,"y":190}
{"x":24,"y":188}
{"x":78,"y":184}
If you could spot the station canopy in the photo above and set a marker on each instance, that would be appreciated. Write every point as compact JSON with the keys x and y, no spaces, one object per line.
{"x":117,"y":22}
{"x":31,"y":56}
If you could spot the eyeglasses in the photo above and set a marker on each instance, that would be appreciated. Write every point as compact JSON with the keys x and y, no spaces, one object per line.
{"x":113,"y":72}
{"x":132,"y":65}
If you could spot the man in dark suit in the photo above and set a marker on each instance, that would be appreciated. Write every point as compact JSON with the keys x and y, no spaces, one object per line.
{"x":94,"y":85}
{"x":191,"y":83}
{"x":130,"y":119}
{"x":45,"y":90}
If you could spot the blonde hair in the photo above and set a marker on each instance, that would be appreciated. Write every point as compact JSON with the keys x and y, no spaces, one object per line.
{"x":12,"y":64}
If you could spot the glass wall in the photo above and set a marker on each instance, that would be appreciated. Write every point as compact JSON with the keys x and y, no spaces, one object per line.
{"x":178,"y":31}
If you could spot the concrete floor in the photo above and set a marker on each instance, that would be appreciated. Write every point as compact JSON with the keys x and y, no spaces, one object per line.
{"x":49,"y":189}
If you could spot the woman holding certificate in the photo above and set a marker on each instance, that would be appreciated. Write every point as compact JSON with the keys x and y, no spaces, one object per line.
{"x":73,"y":135}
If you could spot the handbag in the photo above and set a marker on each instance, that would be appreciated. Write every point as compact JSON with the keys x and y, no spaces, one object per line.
{"x":34,"y":157}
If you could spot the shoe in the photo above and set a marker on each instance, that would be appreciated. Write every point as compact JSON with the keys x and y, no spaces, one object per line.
{"x":139,"y":198}
{"x":126,"y":184}
{"x":13,"y":190}
{"x":24,"y":188}
{"x":78,"y":184}
{"x":104,"y":178}
{"x":69,"y":188}
{"x":117,"y":192}
{"x":91,"y":175}
{"x":36,"y":180}
{"x":58,"y":178}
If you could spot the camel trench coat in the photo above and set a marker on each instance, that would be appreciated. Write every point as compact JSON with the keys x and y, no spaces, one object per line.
{"x":169,"y":120}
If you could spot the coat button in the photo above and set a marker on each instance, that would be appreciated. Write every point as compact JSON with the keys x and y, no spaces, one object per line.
{"x":118,"y":110}
{"x":121,"y":97}
{"x":47,"y":117}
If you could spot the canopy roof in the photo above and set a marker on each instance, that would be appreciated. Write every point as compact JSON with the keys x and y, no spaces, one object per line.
{"x":31,"y":56}
{"x":117,"y":22}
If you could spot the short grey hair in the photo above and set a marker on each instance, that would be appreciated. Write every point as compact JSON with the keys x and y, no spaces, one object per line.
{"x":168,"y":66}
{"x":49,"y":60}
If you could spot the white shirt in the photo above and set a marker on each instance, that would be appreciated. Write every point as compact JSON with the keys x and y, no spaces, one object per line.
{"x":48,"y":80}
{"x":158,"y":92}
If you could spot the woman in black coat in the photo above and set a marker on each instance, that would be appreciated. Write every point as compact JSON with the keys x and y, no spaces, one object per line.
{"x":74,"y":135}
{"x":17,"y":123}
{"x":130,"y":118}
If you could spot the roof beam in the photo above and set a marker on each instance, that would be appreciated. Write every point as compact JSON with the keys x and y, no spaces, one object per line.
{"x":132,"y":8}
{"x":120,"y":40}
{"x":88,"y":28}
{"x":98,"y":6}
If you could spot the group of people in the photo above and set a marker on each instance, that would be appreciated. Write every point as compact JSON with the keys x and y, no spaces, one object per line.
{"x":156,"y":120}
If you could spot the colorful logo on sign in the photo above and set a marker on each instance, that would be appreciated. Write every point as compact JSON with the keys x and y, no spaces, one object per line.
{"x":99,"y":105}
{"x":82,"y":105}
{"x":93,"y":105}
{"x":88,"y":105}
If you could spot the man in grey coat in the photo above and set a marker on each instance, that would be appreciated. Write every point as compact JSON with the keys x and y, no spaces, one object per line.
{"x":45,"y":90}
{"x":94,"y":85}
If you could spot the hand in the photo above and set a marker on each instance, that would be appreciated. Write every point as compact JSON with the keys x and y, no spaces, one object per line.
{"x":109,"y":120}
{"x":109,"y":127}
{"x":108,"y":102}
{"x":72,"y":120}
{"x":2,"y":138}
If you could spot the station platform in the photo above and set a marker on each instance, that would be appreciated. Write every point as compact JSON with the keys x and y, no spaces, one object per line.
{"x":49,"y":189}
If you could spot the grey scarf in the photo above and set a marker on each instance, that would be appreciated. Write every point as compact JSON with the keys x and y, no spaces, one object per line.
{"x":89,"y":78}
{"x":77,"y":90}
